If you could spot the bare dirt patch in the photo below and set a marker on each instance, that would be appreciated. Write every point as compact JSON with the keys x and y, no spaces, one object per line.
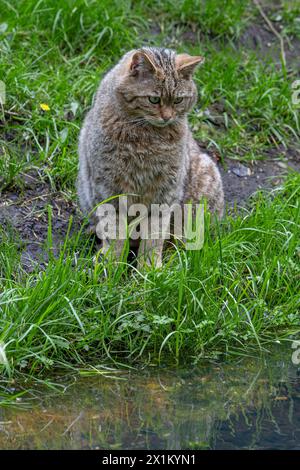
{"x":258,"y":38}
{"x":26,"y":213}
{"x":241,"y":180}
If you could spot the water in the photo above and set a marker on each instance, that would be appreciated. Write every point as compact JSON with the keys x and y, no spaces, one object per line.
{"x":251,"y":403}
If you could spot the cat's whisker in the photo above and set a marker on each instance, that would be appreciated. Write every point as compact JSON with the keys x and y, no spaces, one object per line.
{"x":135,"y":122}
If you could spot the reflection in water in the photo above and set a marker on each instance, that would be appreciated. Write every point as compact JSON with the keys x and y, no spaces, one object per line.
{"x":251,"y":403}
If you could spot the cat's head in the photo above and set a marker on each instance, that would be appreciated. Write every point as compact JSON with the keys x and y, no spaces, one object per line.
{"x":155,"y":85}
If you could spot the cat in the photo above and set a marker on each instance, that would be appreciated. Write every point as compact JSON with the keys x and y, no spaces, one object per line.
{"x":136,"y":140}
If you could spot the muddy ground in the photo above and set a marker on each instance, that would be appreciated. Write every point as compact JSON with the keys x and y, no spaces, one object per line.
{"x":241,"y":180}
{"x":256,"y":37}
{"x":24,"y":215}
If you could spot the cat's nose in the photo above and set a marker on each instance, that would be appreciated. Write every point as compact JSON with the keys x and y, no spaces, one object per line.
{"x":166,"y":114}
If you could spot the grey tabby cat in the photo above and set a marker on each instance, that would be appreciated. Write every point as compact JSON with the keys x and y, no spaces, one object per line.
{"x":136,"y":140}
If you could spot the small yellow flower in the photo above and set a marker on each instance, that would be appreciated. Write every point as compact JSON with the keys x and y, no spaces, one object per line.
{"x":44,"y":107}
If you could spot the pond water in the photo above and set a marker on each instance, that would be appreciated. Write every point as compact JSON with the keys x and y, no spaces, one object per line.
{"x":249,"y":403}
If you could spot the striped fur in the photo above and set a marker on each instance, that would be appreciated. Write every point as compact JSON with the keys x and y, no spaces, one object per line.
{"x":130,"y":145}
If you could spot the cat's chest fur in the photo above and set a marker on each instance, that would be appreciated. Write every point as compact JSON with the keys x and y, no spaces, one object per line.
{"x":150,"y":170}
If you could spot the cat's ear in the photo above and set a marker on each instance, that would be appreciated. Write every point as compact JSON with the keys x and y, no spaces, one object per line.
{"x":186,"y":64}
{"x":142,"y":62}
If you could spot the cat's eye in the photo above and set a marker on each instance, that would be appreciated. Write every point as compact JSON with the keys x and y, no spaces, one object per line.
{"x":154,"y":99}
{"x":178,"y":100}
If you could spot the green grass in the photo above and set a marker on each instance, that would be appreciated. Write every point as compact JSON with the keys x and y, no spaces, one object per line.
{"x":242,"y":289}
